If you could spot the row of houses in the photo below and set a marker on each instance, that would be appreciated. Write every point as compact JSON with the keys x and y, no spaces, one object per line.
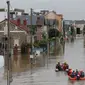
{"x":20,"y":26}
{"x":77,"y":24}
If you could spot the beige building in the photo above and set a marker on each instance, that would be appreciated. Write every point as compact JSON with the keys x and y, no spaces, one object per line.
{"x":59,"y":17}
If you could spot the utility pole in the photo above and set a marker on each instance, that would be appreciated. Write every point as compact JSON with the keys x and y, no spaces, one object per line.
{"x":63,"y":29}
{"x":55,"y":28}
{"x":47,"y":43}
{"x":31,"y":30}
{"x":31,"y":39}
{"x":63,"y":36}
{"x":8,"y":46}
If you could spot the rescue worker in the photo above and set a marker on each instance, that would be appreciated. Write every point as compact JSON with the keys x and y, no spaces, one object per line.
{"x":73,"y":74}
{"x":69,"y":71}
{"x":77,"y":72}
{"x":65,"y":66}
{"x":82,"y":74}
{"x":58,"y":66}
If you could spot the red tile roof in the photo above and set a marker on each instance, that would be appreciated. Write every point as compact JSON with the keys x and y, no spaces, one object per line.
{"x":23,"y":27}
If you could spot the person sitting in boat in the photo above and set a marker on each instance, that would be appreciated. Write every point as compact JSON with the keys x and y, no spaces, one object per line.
{"x":58,"y":66}
{"x":78,"y":76}
{"x":73,"y":74}
{"x":65,"y":66}
{"x":69,"y":71}
{"x":82,"y":74}
{"x":77,"y":72}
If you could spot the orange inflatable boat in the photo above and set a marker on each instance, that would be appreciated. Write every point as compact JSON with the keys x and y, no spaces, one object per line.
{"x":72,"y":78}
{"x":82,"y":78}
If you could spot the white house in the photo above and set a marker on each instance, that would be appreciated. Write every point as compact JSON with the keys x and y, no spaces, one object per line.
{"x":79,"y":24}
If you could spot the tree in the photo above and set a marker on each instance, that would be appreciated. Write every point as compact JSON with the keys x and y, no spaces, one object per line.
{"x":84,"y":30}
{"x":33,"y":29}
{"x":44,"y":35}
{"x":72,"y":30}
{"x":53,"y":33}
{"x":24,"y":48}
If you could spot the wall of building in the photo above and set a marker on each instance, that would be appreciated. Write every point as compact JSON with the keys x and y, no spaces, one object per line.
{"x":59,"y":18}
{"x":17,"y":35}
{"x":39,"y":33}
{"x":80,"y":26}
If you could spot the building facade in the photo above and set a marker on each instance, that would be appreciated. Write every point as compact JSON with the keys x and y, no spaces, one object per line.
{"x":55,"y":18}
{"x":79,"y":25}
{"x":18,"y":33}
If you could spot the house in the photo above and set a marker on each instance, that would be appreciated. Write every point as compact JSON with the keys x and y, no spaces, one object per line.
{"x":55,"y":18}
{"x":79,"y":25}
{"x":37,"y":22}
{"x":19,"y":32}
{"x":67,"y":24}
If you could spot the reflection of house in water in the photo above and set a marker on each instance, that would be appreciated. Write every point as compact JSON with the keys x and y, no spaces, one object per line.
{"x":21,"y":63}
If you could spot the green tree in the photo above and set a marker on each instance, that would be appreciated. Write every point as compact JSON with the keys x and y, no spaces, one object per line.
{"x":33,"y":29}
{"x":44,"y":35}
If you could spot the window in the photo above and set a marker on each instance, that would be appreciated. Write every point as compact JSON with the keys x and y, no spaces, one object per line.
{"x":16,"y":41}
{"x":35,"y":38}
{"x":78,"y":30}
{"x":16,"y":27}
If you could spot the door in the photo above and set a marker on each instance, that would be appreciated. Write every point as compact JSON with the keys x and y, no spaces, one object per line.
{"x":77,"y":30}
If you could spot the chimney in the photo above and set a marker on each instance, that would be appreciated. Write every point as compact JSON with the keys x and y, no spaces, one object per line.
{"x":18,"y":21}
{"x":25,"y":22}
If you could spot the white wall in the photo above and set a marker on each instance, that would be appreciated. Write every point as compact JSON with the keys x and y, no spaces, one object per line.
{"x":45,"y":28}
{"x":80,"y":26}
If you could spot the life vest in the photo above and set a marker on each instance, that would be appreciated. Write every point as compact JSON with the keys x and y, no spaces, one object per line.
{"x":69,"y":72}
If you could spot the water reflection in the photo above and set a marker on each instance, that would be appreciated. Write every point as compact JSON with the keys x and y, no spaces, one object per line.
{"x":73,"y":51}
{"x":20,"y":63}
{"x":71,"y":82}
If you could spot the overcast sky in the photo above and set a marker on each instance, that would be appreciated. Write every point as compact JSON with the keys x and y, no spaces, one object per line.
{"x":71,"y":9}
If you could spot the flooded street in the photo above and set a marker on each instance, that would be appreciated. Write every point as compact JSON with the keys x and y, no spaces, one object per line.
{"x":20,"y":63}
{"x":74,"y":55}
{"x":40,"y":38}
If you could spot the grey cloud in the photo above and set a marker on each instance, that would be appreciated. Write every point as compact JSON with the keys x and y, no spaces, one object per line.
{"x":71,"y":9}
